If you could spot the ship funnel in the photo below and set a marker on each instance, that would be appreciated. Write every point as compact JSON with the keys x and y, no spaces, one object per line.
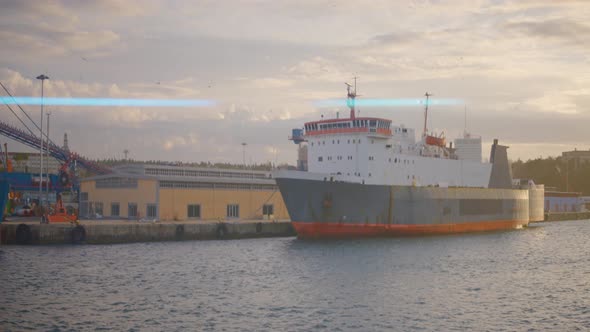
{"x":501,"y":175}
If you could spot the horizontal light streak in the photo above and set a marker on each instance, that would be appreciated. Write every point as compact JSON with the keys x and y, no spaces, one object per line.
{"x":387,"y":102}
{"x":116,"y":102}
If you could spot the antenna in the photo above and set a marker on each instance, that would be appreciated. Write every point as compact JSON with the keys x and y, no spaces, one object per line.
{"x":465,"y":123}
{"x":351,"y":95}
{"x":426,"y":113}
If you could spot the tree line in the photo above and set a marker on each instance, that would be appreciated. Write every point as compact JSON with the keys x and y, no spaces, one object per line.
{"x":205,"y":164}
{"x":562,"y":175}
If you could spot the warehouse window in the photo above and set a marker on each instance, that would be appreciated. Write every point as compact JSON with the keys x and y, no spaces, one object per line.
{"x":268,"y":209}
{"x":193,"y":211}
{"x":233,"y":210}
{"x":98,"y":208}
{"x":151,"y":211}
{"x":132,"y":210}
{"x":114,"y":209}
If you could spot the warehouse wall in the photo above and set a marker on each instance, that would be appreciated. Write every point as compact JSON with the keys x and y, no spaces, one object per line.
{"x":213,"y":203}
{"x":172,"y":203}
{"x":144,"y":194}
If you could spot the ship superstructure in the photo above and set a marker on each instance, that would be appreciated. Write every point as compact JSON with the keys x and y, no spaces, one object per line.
{"x":376,"y":151}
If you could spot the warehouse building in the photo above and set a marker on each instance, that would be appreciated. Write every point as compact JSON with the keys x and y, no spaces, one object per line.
{"x":557,"y":201}
{"x":162,"y":192}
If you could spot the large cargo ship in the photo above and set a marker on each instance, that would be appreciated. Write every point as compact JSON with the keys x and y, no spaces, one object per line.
{"x":369,"y":177}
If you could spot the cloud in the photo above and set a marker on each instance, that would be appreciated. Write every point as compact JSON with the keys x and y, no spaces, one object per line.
{"x":519,"y":62}
{"x":270,"y":83}
{"x":51,"y":28}
{"x":398,"y":37}
{"x":85,"y":41}
{"x":562,"y":29}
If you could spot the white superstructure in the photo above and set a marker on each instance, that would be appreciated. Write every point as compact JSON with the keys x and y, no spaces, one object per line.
{"x":468,"y":147}
{"x":375,"y":151}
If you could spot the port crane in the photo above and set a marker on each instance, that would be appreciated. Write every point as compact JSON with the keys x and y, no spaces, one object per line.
{"x":69,"y":159}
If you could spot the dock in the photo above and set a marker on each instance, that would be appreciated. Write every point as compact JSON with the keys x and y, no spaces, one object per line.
{"x":566,"y":216}
{"x":120,"y":231}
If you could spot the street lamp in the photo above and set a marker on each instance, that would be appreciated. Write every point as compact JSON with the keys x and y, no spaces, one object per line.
{"x":47,"y":159}
{"x":42,"y":78}
{"x":244,"y":154}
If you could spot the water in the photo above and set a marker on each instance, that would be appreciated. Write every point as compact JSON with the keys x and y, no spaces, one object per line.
{"x":532,"y":279}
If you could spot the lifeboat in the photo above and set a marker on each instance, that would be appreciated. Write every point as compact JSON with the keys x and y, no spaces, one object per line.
{"x":437,"y":141}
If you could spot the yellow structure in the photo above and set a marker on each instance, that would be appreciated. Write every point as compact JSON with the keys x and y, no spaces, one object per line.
{"x":181,"y":193}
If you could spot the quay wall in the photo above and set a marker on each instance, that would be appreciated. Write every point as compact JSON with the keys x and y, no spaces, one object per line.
{"x":564,"y":216}
{"x":106,"y":232}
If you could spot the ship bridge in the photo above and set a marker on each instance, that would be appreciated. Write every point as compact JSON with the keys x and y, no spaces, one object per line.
{"x":366,"y":125}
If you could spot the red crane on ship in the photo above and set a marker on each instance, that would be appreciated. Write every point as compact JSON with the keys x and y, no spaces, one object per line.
{"x":431,"y":139}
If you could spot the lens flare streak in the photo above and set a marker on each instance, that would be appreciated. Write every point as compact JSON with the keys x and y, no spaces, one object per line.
{"x":387,"y":102}
{"x":116,"y":102}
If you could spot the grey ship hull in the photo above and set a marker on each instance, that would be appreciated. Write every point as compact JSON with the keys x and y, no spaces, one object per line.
{"x":323,"y":208}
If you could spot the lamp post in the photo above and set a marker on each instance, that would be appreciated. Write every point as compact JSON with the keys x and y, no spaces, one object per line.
{"x":47,"y":159}
{"x":42,"y":78}
{"x":244,"y":154}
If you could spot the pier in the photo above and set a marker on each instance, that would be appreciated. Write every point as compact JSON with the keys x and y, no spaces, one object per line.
{"x":566,"y":216}
{"x":117,"y":231}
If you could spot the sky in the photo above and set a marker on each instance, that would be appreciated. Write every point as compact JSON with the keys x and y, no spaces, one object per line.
{"x":520,"y":68}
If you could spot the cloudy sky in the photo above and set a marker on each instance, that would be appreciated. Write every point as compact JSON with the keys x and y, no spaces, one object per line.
{"x":522,"y":69}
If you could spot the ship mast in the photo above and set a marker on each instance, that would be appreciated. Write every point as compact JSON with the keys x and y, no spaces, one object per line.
{"x":351,"y":95}
{"x":426,"y":114}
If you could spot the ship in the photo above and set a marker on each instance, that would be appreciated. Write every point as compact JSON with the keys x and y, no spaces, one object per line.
{"x":368,"y":176}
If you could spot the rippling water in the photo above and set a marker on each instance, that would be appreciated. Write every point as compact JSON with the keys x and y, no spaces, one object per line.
{"x":532,"y":279}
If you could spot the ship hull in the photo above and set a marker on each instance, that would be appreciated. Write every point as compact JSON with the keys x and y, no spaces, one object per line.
{"x":333,"y":209}
{"x":317,"y":230}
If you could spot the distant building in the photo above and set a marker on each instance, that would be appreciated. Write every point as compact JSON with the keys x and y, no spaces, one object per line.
{"x":557,"y":201}
{"x":586,"y":202}
{"x":576,"y":158}
{"x":27,"y":162}
{"x":164,"y":192}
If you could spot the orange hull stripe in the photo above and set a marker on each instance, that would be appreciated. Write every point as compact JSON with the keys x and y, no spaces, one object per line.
{"x":319,"y":229}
